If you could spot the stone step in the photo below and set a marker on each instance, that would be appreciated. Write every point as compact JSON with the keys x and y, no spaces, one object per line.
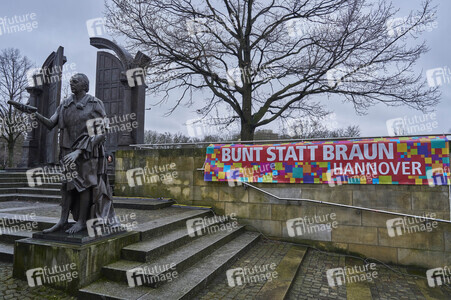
{"x":286,"y":274}
{"x":30,"y":190}
{"x":159,"y":245}
{"x":9,"y":236}
{"x":39,"y":198}
{"x":8,"y":197}
{"x":186,"y":285}
{"x":181,"y":258}
{"x":12,"y":175}
{"x":42,"y":191}
{"x":35,"y":222}
{"x":141,"y":203}
{"x":25,"y":184}
{"x":6,"y":252}
{"x":163,"y":225}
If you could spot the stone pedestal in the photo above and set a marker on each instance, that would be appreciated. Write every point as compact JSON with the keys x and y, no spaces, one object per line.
{"x":49,"y":262}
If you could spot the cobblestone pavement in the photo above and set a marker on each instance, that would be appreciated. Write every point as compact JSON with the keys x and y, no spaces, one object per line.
{"x":311,"y":281}
{"x":11,"y":288}
{"x":263,"y":253}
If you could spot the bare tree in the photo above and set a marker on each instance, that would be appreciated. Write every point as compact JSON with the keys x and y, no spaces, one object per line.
{"x":13,"y":81}
{"x":265,"y":60}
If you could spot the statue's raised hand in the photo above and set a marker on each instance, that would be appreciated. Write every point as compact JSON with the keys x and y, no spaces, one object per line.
{"x":23,"y":107}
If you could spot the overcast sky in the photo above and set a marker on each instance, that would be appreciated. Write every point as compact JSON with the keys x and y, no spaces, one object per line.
{"x":64,"y":23}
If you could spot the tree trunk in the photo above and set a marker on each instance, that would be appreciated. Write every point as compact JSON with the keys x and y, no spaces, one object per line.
{"x":247,"y":131}
{"x":11,"y":154}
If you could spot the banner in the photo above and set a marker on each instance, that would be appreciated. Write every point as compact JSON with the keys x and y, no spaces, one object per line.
{"x":402,"y":160}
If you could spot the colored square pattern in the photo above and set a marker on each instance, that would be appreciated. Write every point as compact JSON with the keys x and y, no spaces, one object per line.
{"x":416,"y":161}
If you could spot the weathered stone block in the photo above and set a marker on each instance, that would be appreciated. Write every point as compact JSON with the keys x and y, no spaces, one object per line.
{"x":355,"y":234}
{"x":240,"y":209}
{"x":286,"y":212}
{"x":317,"y":232}
{"x":208,"y":193}
{"x":419,"y":240}
{"x":260,"y":211}
{"x":343,"y":216}
{"x":399,"y":200}
{"x":373,"y":219}
{"x":423,"y":258}
{"x":267,"y":227}
{"x":184,"y":178}
{"x":371,"y":200}
{"x":233,"y":194}
{"x":430,"y":201}
{"x":88,"y":258}
{"x":385,"y":254}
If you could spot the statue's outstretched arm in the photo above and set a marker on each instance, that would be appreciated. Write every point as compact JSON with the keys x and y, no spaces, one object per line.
{"x":49,"y":123}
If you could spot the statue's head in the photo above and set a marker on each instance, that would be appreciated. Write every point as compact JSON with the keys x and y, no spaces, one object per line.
{"x":79,"y":82}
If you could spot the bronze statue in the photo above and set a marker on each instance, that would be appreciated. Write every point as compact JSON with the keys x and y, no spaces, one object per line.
{"x":88,"y":195}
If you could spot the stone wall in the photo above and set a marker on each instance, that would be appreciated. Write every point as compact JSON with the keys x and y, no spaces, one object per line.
{"x":354,"y":231}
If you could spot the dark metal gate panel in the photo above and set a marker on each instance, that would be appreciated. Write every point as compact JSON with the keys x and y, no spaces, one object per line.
{"x":110,"y":90}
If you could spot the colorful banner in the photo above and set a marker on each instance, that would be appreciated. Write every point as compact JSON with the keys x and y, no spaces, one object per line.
{"x":402,"y":160}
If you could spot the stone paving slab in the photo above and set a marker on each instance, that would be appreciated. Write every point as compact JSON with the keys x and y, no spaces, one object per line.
{"x":16,"y":204}
{"x":264,"y":252}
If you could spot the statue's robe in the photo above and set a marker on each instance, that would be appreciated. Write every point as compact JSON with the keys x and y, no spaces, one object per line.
{"x":91,"y":166}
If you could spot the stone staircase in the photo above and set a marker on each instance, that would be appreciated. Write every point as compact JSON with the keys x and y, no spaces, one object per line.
{"x":167,"y":247}
{"x":14,"y":187}
{"x":196,"y":258}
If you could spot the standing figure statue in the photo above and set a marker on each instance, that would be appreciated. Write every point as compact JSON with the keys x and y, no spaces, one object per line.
{"x":88,"y":195}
